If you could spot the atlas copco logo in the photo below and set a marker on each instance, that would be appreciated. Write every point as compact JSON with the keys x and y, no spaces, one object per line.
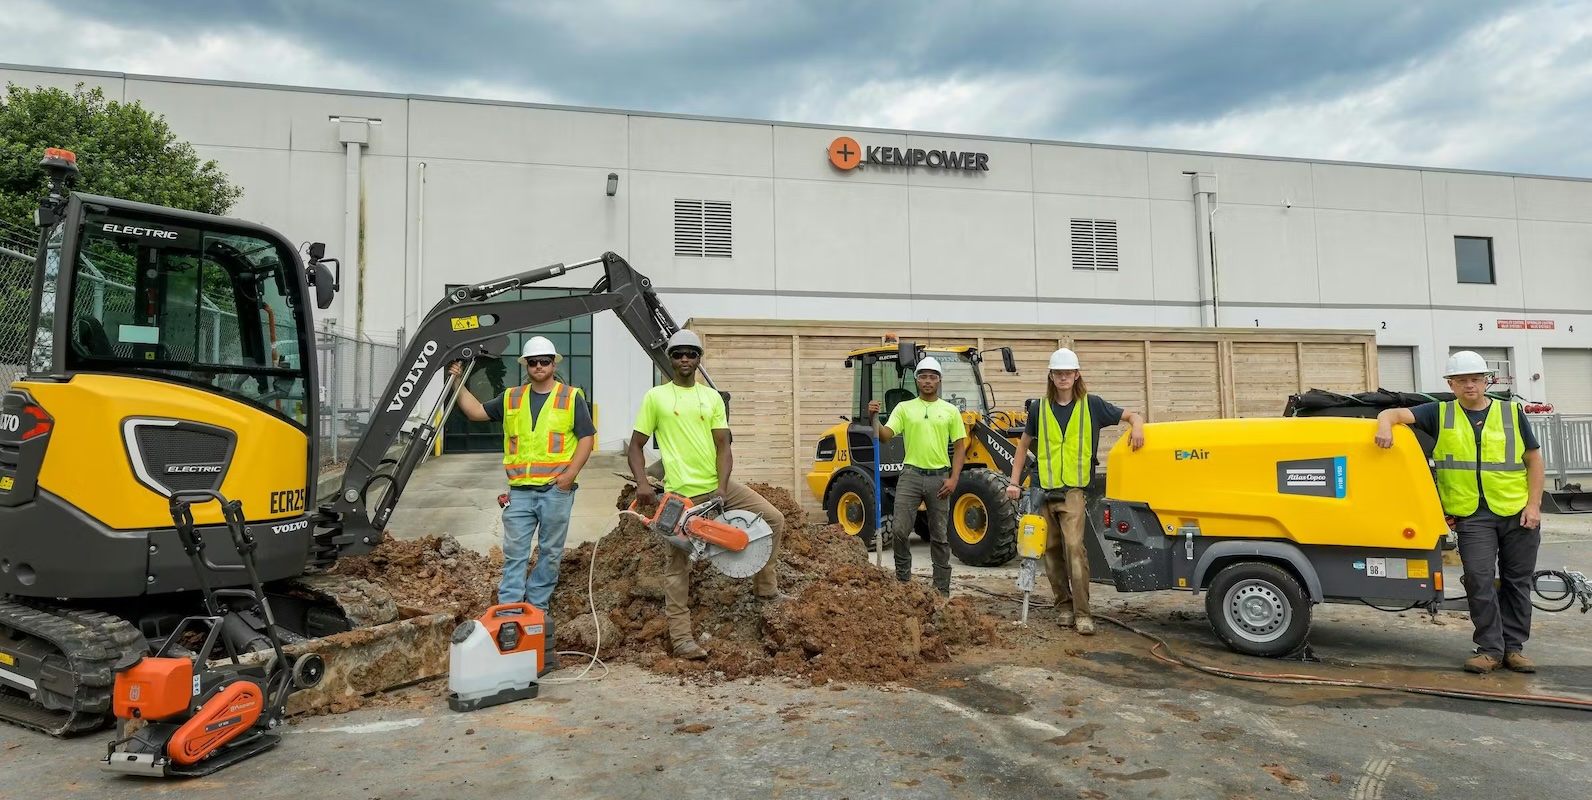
{"x":846,"y":154}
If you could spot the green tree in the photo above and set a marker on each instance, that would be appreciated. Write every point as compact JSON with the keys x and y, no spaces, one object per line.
{"x":123,"y":150}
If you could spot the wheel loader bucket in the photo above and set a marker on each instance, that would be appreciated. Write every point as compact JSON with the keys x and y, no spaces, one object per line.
{"x":366,"y":661}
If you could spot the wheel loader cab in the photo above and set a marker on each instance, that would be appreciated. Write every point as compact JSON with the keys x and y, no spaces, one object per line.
{"x":169,"y":349}
{"x":982,"y":528}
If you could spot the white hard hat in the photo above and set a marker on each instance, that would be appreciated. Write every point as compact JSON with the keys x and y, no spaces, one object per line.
{"x":1466,"y":362}
{"x":1064,"y":359}
{"x":930,"y":364}
{"x":684,"y":338}
{"x":540,"y":346}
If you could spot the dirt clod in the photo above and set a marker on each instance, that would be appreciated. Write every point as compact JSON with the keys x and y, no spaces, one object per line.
{"x":843,"y":619}
{"x":434,"y":574}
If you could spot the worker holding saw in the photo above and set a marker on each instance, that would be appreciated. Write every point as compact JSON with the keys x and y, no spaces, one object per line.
{"x":929,"y":425}
{"x":547,"y":436}
{"x":1489,"y":477}
{"x":1066,"y":425}
{"x":694,"y":442}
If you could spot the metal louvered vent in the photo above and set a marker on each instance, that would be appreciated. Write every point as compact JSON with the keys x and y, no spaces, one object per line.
{"x":170,"y":456}
{"x":702,"y":228}
{"x":1094,"y":244}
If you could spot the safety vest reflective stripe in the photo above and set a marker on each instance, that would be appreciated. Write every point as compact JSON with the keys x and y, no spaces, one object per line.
{"x":537,"y":450}
{"x":1499,"y":475}
{"x":1065,"y":458}
{"x":540,"y":470}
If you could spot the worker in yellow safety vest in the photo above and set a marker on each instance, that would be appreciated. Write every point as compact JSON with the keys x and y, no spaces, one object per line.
{"x":1066,"y":424}
{"x":1489,"y":477}
{"x":547,"y":436}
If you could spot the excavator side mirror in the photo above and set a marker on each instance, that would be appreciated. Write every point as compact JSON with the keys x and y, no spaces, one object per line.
{"x":906,"y":356}
{"x":1007,"y":361}
{"x":325,"y":291}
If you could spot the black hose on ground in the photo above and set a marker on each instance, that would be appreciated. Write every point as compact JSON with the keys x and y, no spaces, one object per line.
{"x":1546,"y":701}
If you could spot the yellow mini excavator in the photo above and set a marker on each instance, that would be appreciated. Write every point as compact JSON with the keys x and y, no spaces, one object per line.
{"x":198,"y":377}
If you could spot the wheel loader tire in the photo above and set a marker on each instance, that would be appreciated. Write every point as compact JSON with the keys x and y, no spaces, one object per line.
{"x":850,"y":505}
{"x":983,"y":524}
{"x":1258,"y":608}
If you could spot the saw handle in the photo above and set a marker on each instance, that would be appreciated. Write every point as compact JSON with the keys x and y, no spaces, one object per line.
{"x":663,"y":500}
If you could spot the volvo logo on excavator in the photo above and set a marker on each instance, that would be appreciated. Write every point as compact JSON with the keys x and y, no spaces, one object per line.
{"x":408,"y":386}
{"x":10,"y":423}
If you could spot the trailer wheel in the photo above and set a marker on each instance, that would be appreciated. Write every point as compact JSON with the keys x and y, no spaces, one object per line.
{"x":850,"y":505}
{"x":983,"y":526}
{"x":1257,"y":608}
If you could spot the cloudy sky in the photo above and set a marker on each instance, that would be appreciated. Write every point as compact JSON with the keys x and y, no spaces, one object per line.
{"x":1463,"y":83}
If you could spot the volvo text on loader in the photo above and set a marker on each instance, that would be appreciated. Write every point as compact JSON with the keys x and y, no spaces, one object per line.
{"x":205,"y":379}
{"x":982,"y":528}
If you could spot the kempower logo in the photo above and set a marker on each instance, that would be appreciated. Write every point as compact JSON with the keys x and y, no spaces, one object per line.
{"x":845,"y":153}
{"x":1192,"y":455}
{"x":408,"y":386}
{"x":129,"y":230}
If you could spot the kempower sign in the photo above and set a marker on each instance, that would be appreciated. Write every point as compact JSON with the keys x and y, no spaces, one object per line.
{"x":845,"y":153}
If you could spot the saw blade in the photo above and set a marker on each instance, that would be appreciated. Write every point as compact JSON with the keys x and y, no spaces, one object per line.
{"x":745,"y":563}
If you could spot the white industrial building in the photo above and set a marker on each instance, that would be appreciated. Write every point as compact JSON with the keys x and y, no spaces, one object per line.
{"x":756,"y":219}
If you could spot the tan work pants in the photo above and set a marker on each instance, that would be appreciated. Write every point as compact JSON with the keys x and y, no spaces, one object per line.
{"x":1066,"y":561}
{"x":677,"y":573}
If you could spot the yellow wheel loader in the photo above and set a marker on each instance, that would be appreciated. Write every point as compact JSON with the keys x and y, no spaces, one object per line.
{"x":171,"y":354}
{"x":845,"y":477}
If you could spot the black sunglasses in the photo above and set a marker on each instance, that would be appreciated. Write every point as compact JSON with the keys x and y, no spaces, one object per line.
{"x":539,"y":361}
{"x":684,"y":353}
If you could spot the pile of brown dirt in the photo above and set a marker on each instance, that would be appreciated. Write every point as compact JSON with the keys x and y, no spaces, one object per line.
{"x":844,"y":619}
{"x":434,"y":573}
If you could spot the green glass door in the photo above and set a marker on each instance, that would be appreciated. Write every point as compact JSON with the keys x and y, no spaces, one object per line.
{"x":572,"y":337}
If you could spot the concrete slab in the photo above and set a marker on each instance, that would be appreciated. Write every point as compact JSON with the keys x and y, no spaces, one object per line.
{"x":456,"y":495}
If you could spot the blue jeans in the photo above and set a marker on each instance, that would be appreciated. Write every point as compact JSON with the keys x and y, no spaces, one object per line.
{"x":527,"y":510}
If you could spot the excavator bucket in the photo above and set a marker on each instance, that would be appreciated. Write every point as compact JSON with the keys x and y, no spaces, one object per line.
{"x":368,"y":661}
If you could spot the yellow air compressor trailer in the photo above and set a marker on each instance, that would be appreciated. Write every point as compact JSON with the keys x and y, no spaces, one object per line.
{"x":1269,"y":517}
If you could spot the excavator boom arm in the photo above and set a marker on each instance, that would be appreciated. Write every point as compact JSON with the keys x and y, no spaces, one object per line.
{"x":463,"y":327}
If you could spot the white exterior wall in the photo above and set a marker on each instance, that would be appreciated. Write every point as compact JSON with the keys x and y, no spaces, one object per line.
{"x":509,"y":187}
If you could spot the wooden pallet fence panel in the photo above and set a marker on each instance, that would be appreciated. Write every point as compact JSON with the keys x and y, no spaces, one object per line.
{"x":1033,"y":359}
{"x":1187,"y":381}
{"x":1114,"y":370}
{"x":756,"y":371}
{"x":1264,"y":375}
{"x":826,"y":390}
{"x":1334,"y":367}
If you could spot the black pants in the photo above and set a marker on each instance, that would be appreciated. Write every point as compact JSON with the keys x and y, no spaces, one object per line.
{"x":1491,"y":547}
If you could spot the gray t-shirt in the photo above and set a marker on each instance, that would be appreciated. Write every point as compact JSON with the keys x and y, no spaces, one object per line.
{"x":1102,"y":414}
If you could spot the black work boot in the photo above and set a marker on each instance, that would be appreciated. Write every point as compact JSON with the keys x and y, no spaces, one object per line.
{"x":942,"y":580}
{"x":550,"y":662}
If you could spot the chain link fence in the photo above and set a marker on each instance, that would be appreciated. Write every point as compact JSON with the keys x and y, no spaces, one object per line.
{"x":17,"y":246}
{"x":354,"y":371}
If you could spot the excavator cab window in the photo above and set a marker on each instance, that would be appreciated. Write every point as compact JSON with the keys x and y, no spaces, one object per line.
{"x":214,"y":309}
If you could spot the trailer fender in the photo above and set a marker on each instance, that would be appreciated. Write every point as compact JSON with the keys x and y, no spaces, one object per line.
{"x":1277,"y":551}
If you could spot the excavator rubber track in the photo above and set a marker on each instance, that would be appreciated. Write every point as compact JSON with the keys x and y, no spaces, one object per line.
{"x":86,"y":646}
